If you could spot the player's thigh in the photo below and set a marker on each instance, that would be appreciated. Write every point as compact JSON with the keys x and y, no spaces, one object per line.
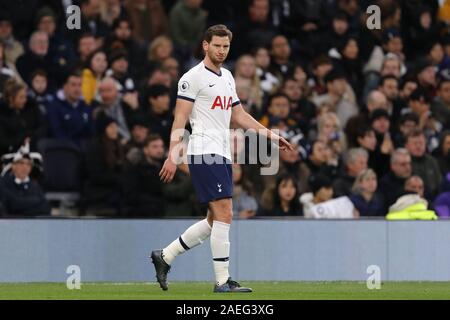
{"x":222,"y":209}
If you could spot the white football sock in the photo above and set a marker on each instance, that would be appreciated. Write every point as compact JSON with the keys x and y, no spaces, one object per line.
{"x":220,"y":248}
{"x":192,"y":237}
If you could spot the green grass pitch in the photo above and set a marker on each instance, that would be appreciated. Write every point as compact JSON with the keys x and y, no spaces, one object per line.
{"x":203,"y":291}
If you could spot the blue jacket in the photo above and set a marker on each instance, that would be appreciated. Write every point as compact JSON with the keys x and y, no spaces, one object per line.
{"x":70,"y":122}
{"x":375,"y":207}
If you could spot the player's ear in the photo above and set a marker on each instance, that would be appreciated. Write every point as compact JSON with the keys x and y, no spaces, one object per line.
{"x":205,"y":45}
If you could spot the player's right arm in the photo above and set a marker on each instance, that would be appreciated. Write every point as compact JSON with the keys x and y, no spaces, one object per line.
{"x":182,"y":111}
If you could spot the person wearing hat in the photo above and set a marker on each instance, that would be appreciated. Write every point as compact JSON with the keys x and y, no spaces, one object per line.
{"x":104,"y":161}
{"x":13,"y":48}
{"x":339,"y":95}
{"x":19,"y":194}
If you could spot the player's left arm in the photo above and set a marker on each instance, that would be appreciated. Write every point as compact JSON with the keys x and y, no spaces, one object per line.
{"x":241,"y":118}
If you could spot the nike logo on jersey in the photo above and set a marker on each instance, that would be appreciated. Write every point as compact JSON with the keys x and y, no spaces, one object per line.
{"x":212,"y":85}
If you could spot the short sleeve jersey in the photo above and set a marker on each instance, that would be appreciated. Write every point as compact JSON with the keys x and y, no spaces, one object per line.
{"x":214,"y":96}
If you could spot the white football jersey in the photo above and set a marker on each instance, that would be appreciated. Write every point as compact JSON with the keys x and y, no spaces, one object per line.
{"x":213,"y":95}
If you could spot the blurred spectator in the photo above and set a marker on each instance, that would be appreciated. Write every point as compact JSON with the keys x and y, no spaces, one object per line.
{"x":392,"y":183}
{"x":426,"y":77}
{"x":386,"y":65}
{"x":419,"y":103}
{"x":282,"y":199}
{"x":278,"y":109}
{"x":156,"y":111}
{"x":408,"y":86}
{"x":303,"y":111}
{"x":423,"y":164}
{"x":281,"y":64}
{"x":116,"y":107}
{"x":139,"y":133}
{"x":375,"y":100}
{"x":39,"y":91}
{"x":321,"y":191}
{"x":247,"y":80}
{"x":338,"y":31}
{"x":268,"y":81}
{"x":173,"y":67}
{"x":244,"y":202}
{"x":346,"y":56}
{"x":442,"y":153}
{"x":337,"y":96}
{"x":415,"y":184}
{"x":437,"y":56}
{"x":60,"y":50}
{"x":36,"y":57}
{"x":90,"y":21}
{"x":442,"y":202}
{"x":187,"y":22}
{"x":320,"y":67}
{"x":104,"y":161}
{"x":121,"y":38}
{"x":7,"y":70}
{"x":380,"y":123}
{"x":365,"y":197}
{"x":148,"y":18}
{"x":119,"y":64}
{"x":389,"y":87}
{"x":355,"y":161}
{"x":13,"y":48}
{"x":316,"y":163}
{"x":255,"y":29}
{"x":422,"y":31}
{"x":110,"y":10}
{"x":330,"y":133}
{"x":407,"y":123}
{"x":440,"y":107}
{"x":20,"y":195}
{"x":86,"y":46}
{"x":93,"y":73}
{"x":160,"y":49}
{"x":68,"y":115}
{"x":141,"y":184}
{"x":179,"y":195}
{"x":20,"y":118}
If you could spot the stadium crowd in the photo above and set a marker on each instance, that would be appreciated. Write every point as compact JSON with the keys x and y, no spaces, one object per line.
{"x":89,"y":111}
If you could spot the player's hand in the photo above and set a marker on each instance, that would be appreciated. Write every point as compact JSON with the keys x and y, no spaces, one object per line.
{"x":283,"y":144}
{"x":168,"y":171}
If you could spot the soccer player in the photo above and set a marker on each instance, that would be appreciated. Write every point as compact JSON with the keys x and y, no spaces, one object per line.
{"x":207,"y":96}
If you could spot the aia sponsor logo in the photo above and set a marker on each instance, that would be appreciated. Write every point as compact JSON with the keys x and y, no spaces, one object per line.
{"x":223,"y":103}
